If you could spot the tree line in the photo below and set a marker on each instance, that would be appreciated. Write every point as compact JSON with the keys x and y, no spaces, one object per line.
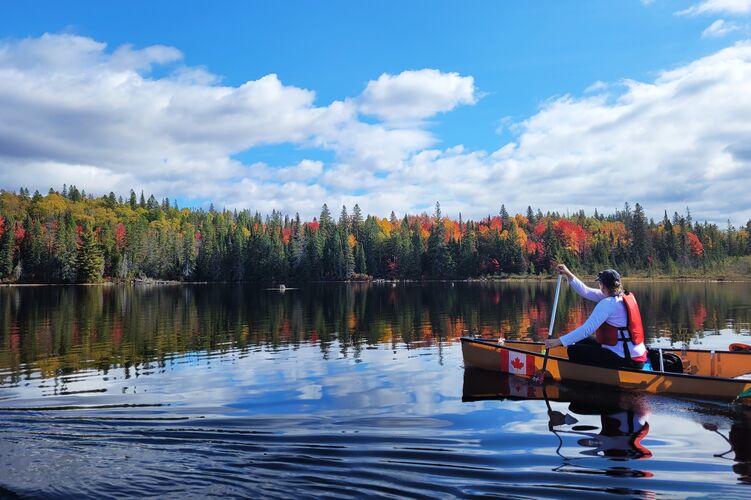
{"x":68,"y":236}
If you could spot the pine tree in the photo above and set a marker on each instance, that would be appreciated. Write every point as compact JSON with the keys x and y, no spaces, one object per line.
{"x":553,"y":247}
{"x":360,"y":264}
{"x":7,"y":249}
{"x":357,"y":222}
{"x":640,"y":244}
{"x":344,"y":220}
{"x":66,"y":250}
{"x":530,"y":215}
{"x":90,"y":262}
{"x":325,"y":218}
{"x":504,"y":216}
{"x":441,"y":264}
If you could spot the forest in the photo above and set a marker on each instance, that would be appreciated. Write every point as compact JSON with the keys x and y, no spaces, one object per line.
{"x":70,"y":237}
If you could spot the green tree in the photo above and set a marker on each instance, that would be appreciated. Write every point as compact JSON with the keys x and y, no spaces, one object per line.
{"x":90,"y":262}
{"x":7,"y":248}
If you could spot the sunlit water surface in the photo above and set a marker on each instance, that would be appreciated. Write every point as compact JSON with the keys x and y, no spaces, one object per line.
{"x":345,"y":390}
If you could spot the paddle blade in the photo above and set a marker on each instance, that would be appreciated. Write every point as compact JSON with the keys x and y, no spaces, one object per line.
{"x":556,"y":418}
{"x":745,"y":394}
{"x":570,"y":420}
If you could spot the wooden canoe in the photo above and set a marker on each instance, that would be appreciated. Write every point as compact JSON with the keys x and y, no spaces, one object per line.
{"x":710,"y":374}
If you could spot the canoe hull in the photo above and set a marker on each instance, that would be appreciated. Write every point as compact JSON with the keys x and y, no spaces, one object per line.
{"x":525,"y":361}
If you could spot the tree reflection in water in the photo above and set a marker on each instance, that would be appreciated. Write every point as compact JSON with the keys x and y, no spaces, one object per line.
{"x":59,"y":330}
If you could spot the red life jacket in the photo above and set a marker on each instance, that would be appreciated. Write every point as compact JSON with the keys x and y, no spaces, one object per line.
{"x":633,"y":331}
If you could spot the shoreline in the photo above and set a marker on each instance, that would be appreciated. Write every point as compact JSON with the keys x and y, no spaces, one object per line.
{"x":495,"y":279}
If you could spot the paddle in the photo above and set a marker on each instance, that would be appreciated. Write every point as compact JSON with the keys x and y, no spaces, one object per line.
{"x":539,"y":377}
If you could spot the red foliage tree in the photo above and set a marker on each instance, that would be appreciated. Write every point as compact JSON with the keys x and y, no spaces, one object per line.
{"x":574,"y":238}
{"x":694,"y":245}
{"x":120,"y":240}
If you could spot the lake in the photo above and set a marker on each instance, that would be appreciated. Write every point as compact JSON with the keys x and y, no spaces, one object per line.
{"x":346,"y":390}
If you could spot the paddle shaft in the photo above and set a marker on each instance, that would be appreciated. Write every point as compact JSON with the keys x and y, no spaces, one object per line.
{"x":552,"y":323}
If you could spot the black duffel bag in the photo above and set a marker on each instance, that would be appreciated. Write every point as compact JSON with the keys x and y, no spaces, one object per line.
{"x":671,"y":362}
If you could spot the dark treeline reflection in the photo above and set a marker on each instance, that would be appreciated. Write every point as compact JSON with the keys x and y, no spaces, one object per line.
{"x":57,"y":330}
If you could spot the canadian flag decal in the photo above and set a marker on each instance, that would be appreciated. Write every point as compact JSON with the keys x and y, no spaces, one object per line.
{"x":516,"y":363}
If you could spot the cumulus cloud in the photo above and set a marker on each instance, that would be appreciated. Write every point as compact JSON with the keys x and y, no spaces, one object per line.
{"x":718,"y":29}
{"x":733,"y":7}
{"x":675,"y":142}
{"x":68,"y":102}
{"x":416,"y":95}
{"x":72,"y":110}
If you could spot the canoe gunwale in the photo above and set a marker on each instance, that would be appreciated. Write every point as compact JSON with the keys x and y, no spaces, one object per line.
{"x":665,"y":349}
{"x":559,"y":359}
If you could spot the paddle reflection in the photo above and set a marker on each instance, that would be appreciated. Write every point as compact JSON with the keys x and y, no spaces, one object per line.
{"x":739,"y":441}
{"x":591,"y":424}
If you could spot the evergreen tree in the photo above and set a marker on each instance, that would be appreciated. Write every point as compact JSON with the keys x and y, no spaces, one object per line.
{"x":90,"y":262}
{"x":531,"y":215}
{"x":361,"y":266}
{"x":357,"y":222}
{"x":504,"y":216}
{"x":297,"y":246}
{"x":468,"y":261}
{"x":67,"y":250}
{"x":441,"y":264}
{"x":7,"y":248}
{"x":325,"y":218}
{"x":640,"y":244}
{"x":553,"y":247}
{"x":344,"y":219}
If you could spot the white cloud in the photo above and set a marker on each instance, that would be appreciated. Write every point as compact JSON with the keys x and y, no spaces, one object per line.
{"x":304,"y":171}
{"x":416,"y":95}
{"x":67,"y":101}
{"x":73,"y":112}
{"x":597,"y":86}
{"x":733,"y":7}
{"x":718,"y":29}
{"x":679,"y":141}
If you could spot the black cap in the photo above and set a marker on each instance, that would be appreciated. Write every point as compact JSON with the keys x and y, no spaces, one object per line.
{"x":608,"y":277}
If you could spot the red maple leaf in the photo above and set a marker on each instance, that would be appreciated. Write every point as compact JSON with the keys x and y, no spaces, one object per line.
{"x":517,"y":363}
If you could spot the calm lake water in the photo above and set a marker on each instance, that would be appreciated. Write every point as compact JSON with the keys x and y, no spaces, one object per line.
{"x":345,"y":390}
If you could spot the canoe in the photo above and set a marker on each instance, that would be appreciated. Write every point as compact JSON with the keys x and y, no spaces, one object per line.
{"x":708,"y":374}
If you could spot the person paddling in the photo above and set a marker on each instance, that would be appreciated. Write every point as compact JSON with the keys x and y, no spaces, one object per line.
{"x":618,"y":340}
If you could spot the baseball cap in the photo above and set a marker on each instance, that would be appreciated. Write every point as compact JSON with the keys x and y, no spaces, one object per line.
{"x":608,"y":277}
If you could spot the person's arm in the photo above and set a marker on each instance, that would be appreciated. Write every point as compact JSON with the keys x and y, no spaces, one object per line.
{"x":580,"y":288}
{"x":599,"y":315}
{"x":593,"y":294}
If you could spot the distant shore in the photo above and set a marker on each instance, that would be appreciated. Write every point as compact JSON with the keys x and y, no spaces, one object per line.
{"x":682,"y":278}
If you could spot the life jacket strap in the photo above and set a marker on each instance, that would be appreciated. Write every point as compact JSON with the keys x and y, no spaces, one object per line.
{"x":624,"y":336}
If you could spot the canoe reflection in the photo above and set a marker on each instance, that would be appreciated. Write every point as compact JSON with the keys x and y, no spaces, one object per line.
{"x":619,"y":432}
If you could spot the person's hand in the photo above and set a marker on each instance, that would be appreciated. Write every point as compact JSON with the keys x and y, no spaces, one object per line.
{"x":562,"y":269}
{"x":550,"y":343}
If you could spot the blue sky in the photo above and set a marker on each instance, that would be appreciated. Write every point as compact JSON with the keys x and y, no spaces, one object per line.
{"x":395,"y":105}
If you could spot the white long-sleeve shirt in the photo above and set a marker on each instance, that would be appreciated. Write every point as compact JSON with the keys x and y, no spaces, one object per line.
{"x":610,"y":310}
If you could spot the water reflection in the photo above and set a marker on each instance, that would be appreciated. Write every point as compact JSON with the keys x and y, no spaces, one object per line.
{"x":620,"y":428}
{"x":330,"y":390}
{"x":59,"y":330}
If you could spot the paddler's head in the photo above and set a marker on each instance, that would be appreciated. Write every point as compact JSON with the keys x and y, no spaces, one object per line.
{"x":610,"y":282}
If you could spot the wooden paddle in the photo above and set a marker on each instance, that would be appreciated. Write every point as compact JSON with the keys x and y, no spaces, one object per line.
{"x":539,"y":377}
